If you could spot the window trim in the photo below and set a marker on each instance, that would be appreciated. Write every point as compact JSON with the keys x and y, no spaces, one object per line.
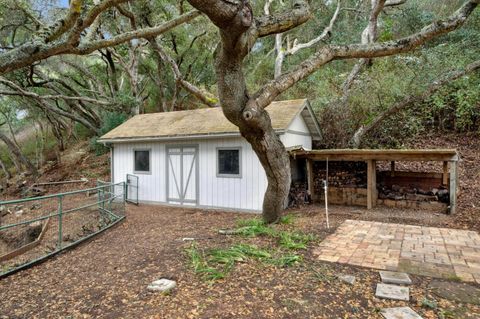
{"x":235,"y":148}
{"x":149,"y":150}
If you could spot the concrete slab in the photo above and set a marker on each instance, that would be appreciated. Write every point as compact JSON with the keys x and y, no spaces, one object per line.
{"x":393,"y":292}
{"x":392,"y":277}
{"x":400,"y":313}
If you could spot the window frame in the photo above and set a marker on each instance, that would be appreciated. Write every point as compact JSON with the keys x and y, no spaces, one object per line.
{"x":149,"y":150}
{"x":233,"y":148}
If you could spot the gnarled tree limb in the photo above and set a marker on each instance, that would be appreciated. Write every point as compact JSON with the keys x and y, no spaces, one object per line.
{"x":37,"y":50}
{"x":326,"y":54}
{"x":205,"y":97}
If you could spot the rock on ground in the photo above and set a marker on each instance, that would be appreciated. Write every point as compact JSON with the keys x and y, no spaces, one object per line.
{"x":162,"y":285}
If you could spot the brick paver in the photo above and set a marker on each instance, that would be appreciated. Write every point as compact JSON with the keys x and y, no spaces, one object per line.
{"x":430,"y":251}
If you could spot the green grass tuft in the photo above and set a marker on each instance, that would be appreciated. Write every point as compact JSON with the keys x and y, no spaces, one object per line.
{"x":286,"y":260}
{"x":254,"y":227}
{"x":294,"y":241}
{"x":287,"y":219}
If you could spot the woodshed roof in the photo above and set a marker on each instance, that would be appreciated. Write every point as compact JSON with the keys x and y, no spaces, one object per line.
{"x":208,"y":122}
{"x":377,"y":154}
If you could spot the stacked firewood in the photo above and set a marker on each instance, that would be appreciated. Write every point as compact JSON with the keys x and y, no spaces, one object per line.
{"x":298,"y":195}
{"x":396,"y":192}
{"x":340,"y":174}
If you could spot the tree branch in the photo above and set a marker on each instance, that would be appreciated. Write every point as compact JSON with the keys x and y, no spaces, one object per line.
{"x":19,"y":91}
{"x":326,"y":54}
{"x":273,"y":24}
{"x":205,"y":97}
{"x":325,"y":34}
{"x":35,"y":51}
{"x":369,"y":35}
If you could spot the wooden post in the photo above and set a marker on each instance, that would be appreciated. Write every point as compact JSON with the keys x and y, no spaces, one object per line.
{"x":453,"y":187}
{"x":371,"y":184}
{"x":445,"y":173}
{"x":392,"y":168}
{"x":310,"y":179}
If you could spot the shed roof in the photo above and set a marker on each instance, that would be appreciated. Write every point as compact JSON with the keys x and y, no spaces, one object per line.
{"x":208,"y":122}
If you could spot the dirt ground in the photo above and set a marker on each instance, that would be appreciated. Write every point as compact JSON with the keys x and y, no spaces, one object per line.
{"x":107,"y":277}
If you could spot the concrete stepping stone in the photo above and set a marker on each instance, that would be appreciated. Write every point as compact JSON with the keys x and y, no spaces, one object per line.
{"x":349,"y":279}
{"x":387,"y":291}
{"x":162,"y":285}
{"x":392,"y":277}
{"x":399,"y":313}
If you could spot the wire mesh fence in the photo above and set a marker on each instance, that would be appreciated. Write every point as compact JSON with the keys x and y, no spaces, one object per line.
{"x":33,"y":229}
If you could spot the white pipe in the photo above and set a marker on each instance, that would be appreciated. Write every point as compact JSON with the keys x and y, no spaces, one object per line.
{"x":326,"y":196}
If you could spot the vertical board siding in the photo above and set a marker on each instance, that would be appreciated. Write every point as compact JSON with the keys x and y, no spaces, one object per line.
{"x":244,"y":193}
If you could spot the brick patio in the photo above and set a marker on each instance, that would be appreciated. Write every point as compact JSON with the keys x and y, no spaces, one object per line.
{"x":429,"y":251}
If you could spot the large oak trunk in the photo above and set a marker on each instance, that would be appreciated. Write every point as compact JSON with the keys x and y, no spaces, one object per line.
{"x":274,"y":159}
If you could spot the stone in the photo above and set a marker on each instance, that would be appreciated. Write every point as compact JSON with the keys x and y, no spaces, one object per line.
{"x":349,"y":279}
{"x":399,"y":313}
{"x":19,"y":213}
{"x":228,"y":231}
{"x":456,"y":291}
{"x":392,"y":277}
{"x":162,"y":285}
{"x":393,"y":292}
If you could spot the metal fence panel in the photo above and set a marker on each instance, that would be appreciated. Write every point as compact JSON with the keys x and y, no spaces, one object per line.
{"x":33,"y":229}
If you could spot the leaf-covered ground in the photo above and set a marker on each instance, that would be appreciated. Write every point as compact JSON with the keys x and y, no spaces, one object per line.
{"x":107,"y":277}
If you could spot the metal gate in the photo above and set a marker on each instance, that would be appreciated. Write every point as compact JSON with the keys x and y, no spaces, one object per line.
{"x":182,"y":174}
{"x":131,"y":192}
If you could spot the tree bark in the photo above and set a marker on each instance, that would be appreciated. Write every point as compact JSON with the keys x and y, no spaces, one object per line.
{"x":5,"y":170}
{"x":17,"y":156}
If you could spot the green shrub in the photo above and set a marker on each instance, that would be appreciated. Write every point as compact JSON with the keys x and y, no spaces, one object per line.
{"x":110,"y":120}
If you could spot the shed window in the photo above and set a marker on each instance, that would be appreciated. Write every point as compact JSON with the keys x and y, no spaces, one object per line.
{"x":142,"y":161}
{"x":229,"y":162}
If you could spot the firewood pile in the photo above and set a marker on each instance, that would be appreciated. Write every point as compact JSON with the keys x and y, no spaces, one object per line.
{"x":340,"y":174}
{"x":298,"y":195}
{"x":396,"y":192}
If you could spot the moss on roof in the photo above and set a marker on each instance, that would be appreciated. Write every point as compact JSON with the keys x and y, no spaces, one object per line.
{"x":208,"y":121}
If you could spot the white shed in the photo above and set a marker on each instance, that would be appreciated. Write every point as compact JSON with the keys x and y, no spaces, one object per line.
{"x":198,"y":158}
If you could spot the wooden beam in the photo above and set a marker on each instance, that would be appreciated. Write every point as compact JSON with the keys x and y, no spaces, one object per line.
{"x":310,"y":179}
{"x":379,"y":155}
{"x":371,"y":184}
{"x":445,"y":173}
{"x":453,"y":187}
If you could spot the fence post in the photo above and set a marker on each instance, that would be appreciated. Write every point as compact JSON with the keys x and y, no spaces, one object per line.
{"x":60,"y":221}
{"x":125,"y":189}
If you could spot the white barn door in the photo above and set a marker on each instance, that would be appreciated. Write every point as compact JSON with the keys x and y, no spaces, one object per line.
{"x":182,"y":175}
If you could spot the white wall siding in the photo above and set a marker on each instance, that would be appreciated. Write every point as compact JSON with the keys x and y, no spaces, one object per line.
{"x":297,"y":134}
{"x":245,"y":192}
{"x":151,"y":186}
